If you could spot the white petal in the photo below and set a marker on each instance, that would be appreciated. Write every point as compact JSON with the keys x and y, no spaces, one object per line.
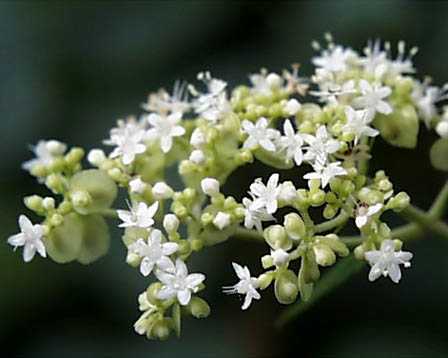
{"x":181,"y":268}
{"x":166,"y":293}
{"x":146,"y":266}
{"x":361,"y":221}
{"x":247,"y":301}
{"x":17,"y":240}
{"x":169,"y":248}
{"x":26,"y":226}
{"x":28,"y":253}
{"x":394,"y":272}
{"x":194,"y":280}
{"x":184,"y":297}
{"x":40,"y":247}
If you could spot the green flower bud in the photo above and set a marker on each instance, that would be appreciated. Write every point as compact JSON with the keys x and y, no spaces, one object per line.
{"x":331,"y":198}
{"x":207,"y":218}
{"x":384,"y":231}
{"x":39,"y":170}
{"x":267,"y":261}
{"x":329,"y":211}
{"x":286,"y":288}
{"x":65,"y":207}
{"x":198,"y":307}
{"x":265,"y":279}
{"x":133,"y":260}
{"x":317,"y":198}
{"x":81,"y":201}
{"x":56,"y":165}
{"x":294,"y":226}
{"x":34,"y":203}
{"x":152,"y":291}
{"x":276,"y":237}
{"x":56,"y":220}
{"x":160,"y":330}
{"x":56,"y":183}
{"x":324,"y":255}
{"x":74,"y":156}
{"x":335,"y":244}
{"x":347,"y":188}
{"x":99,"y":186}
{"x":399,"y":202}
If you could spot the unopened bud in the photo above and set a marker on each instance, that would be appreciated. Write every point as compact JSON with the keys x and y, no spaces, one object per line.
{"x":170,"y":223}
{"x":210,"y":186}
{"x":161,"y":190}
{"x":294,"y":226}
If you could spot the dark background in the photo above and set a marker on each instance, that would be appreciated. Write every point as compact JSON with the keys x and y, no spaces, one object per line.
{"x":68,"y":70}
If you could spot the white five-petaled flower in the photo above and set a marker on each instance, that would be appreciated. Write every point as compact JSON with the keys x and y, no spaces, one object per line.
{"x":254,"y":217}
{"x":260,"y":134}
{"x":320,"y":146}
{"x":292,"y":143}
{"x":358,"y":124}
{"x":373,"y":98}
{"x":140,"y":216}
{"x":387,"y":261}
{"x":363,"y":213}
{"x":246,"y":286}
{"x":164,"y":128}
{"x":30,"y":238}
{"x":335,"y":59}
{"x":265,"y":196}
{"x":426,"y":97}
{"x":154,"y":252}
{"x":46,"y":152}
{"x":213,"y":104}
{"x":325,"y":172}
{"x":178,"y":283}
{"x":128,"y":141}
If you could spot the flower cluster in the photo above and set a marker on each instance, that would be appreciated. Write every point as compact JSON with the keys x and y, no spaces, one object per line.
{"x":208,"y":134}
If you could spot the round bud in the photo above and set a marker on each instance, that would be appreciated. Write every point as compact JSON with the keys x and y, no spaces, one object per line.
{"x":160,"y":330}
{"x":442,"y":129}
{"x":274,"y":80}
{"x":137,"y":186}
{"x":34,"y":203}
{"x":197,"y":138}
{"x":265,"y":279}
{"x":74,"y":156}
{"x":324,"y":255}
{"x":55,"y":147}
{"x":56,"y":183}
{"x":96,"y":157}
{"x":292,"y":107}
{"x":197,"y":156}
{"x":222,"y":220}
{"x":286,"y":288}
{"x":198,"y":307}
{"x":399,"y":201}
{"x":161,"y":190}
{"x":279,"y":257}
{"x":294,"y":226}
{"x":48,"y":203}
{"x":81,"y":199}
{"x":170,"y":223}
{"x":210,"y":186}
{"x":276,"y":237}
{"x":133,"y":259}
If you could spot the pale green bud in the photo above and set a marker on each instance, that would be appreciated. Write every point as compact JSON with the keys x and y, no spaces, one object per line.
{"x":329,"y":211}
{"x":56,"y":183}
{"x":160,"y":329}
{"x":317,"y":198}
{"x":324,"y":255}
{"x":34,"y":203}
{"x":39,"y":170}
{"x":198,"y":307}
{"x":65,"y":207}
{"x":294,"y":226}
{"x":170,"y":223}
{"x":81,"y":200}
{"x":399,"y":202}
{"x":385,"y":185}
{"x":267,"y":261}
{"x":74,"y":156}
{"x":207,"y":218}
{"x":265,"y":279}
{"x":276,"y":237}
{"x":56,"y":220}
{"x":286,"y":288}
{"x":48,"y":203}
{"x":133,"y":260}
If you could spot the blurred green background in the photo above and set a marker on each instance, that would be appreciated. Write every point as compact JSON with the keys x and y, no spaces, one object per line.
{"x":68,"y":70}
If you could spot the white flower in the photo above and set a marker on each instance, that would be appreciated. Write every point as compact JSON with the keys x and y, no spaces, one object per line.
{"x":246,"y":286}
{"x":320,"y":146}
{"x":210,"y":186}
{"x":179,"y":283}
{"x":265,"y":196}
{"x":335,"y":59}
{"x":387,"y":261}
{"x":358,"y":124}
{"x":165,"y":128}
{"x":154,"y":253}
{"x":254,"y":217}
{"x":363,"y":213}
{"x":325,"y":173}
{"x":259,"y":134}
{"x":292,"y":107}
{"x":264,"y":83}
{"x":140,"y":216}
{"x":426,"y":97}
{"x":372,"y":98}
{"x":213,"y":104}
{"x":161,"y":190}
{"x":137,"y":186}
{"x":279,"y":257}
{"x":128,"y":141}
{"x":30,"y":238}
{"x":46,"y":152}
{"x":96,"y":157}
{"x":163,"y":103}
{"x":221,"y":220}
{"x":197,"y":156}
{"x":292,"y":143}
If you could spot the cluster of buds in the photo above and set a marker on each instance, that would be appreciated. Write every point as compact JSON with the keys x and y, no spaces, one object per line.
{"x":207,"y":136}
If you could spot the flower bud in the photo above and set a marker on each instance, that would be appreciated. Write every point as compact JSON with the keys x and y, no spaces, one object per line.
{"x":56,"y":183}
{"x":324,"y":255}
{"x":133,"y":260}
{"x":81,"y":200}
{"x":55,"y":147}
{"x":210,"y":186}
{"x":222,"y":220}
{"x":286,"y":289}
{"x":198,"y":307}
{"x":317,"y":198}
{"x":48,"y":203}
{"x":160,"y":330}
{"x":34,"y":203}
{"x":442,"y":129}
{"x":329,"y":211}
{"x":273,"y":80}
{"x":279,"y":257}
{"x":197,"y":138}
{"x":74,"y":156}
{"x":152,"y":292}
{"x":288,"y":192}
{"x":292,"y":107}
{"x":265,"y":279}
{"x":197,"y":156}
{"x":294,"y":226}
{"x":137,"y":186}
{"x":56,"y":220}
{"x":96,"y":157}
{"x":267,"y":261}
{"x":399,"y":201}
{"x":161,"y":190}
{"x":275,"y":236}
{"x":170,"y":223}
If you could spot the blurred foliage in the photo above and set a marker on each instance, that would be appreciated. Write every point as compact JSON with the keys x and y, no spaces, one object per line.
{"x":69,"y":69}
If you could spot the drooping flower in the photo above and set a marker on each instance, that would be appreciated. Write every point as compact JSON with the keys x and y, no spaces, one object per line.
{"x":259,"y":134}
{"x":179,"y":283}
{"x":363,"y":214}
{"x":387,"y":261}
{"x":254,"y":217}
{"x":358,"y":124}
{"x":373,"y":98}
{"x":325,"y":172}
{"x":30,"y":238}
{"x":246,"y":286}
{"x":140,"y":216}
{"x":46,"y":152}
{"x":164,"y":129}
{"x":265,"y":196}
{"x":154,"y":252}
{"x":320,"y":146}
{"x":292,"y":143}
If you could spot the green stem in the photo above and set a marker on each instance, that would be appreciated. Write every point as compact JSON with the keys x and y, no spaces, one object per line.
{"x":331,"y":224}
{"x":440,"y":203}
{"x":108,"y":213}
{"x":247,"y":234}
